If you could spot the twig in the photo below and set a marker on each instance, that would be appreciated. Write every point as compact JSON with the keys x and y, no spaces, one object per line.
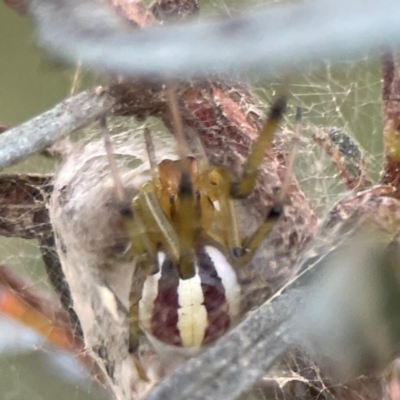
{"x":43,"y":130}
{"x":39,"y":312}
{"x":271,"y":44}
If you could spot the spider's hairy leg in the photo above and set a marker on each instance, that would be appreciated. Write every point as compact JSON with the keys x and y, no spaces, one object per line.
{"x":246,"y":184}
{"x":226,"y":189}
{"x":156,"y":225}
{"x":134,"y":330}
{"x":143,"y":252}
{"x":151,"y":154}
{"x":199,"y":153}
{"x":119,"y":189}
{"x":251,"y":244}
{"x":141,"y":247}
{"x":183,"y":149}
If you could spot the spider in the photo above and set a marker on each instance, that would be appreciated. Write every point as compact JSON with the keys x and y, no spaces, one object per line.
{"x":184,"y":237}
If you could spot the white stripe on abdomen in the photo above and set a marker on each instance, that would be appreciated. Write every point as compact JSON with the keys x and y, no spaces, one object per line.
{"x":192,"y":314}
{"x":176,"y":311}
{"x":229,"y":279}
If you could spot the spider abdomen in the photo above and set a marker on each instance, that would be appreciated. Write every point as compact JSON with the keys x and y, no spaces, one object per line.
{"x":195,"y":311}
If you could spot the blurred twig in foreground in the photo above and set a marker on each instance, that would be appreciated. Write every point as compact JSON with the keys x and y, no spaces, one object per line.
{"x":273,"y":40}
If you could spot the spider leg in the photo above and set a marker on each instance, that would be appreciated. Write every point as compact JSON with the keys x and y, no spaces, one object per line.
{"x":156,"y":226}
{"x":246,"y":184}
{"x":218,"y":193}
{"x":195,"y":144}
{"x":251,"y":244}
{"x":153,"y":227}
{"x":119,"y":189}
{"x":244,"y":251}
{"x":134,"y":329}
{"x":151,"y":154}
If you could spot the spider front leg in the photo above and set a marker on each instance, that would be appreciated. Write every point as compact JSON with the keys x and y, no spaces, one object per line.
{"x":134,"y":328}
{"x":251,"y":244}
{"x":245,"y":186}
{"x":151,"y":226}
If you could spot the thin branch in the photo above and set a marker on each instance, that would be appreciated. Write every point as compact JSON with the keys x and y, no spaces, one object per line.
{"x":273,"y":40}
{"x":43,"y":130}
{"x":21,"y":301}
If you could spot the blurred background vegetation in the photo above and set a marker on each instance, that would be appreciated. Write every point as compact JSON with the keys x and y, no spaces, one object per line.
{"x":29,"y":83}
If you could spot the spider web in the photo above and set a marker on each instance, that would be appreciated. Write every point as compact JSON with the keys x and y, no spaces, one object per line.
{"x":347,"y":96}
